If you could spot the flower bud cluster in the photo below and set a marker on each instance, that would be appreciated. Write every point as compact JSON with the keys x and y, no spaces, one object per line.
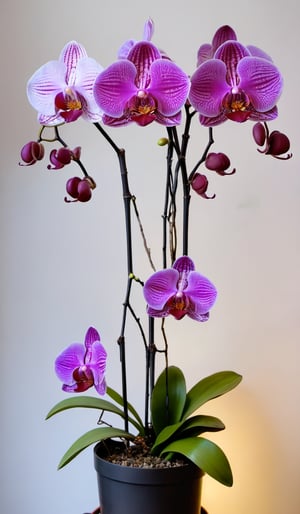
{"x":80,"y":189}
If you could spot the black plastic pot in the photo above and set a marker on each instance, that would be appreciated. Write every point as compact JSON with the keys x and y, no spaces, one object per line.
{"x":129,"y":490}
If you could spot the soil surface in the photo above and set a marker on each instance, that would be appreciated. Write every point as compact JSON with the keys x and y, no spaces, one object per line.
{"x":138,"y":456}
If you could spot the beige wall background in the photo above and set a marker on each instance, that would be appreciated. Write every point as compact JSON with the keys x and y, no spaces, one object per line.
{"x":53,"y":285}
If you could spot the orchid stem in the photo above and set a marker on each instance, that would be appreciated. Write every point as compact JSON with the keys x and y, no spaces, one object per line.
{"x":127,"y":204}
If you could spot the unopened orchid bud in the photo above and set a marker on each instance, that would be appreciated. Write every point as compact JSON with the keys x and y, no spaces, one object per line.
{"x":59,"y":158}
{"x":163,"y":141}
{"x":218,"y":162}
{"x":91,"y":182}
{"x":276,"y":143}
{"x":84,"y":191}
{"x":76,"y":153}
{"x":259,"y":134}
{"x":72,"y":186}
{"x":31,"y":153}
{"x":279,"y":143}
{"x":63,"y":156}
{"x":80,"y":189}
{"x":200,"y":185}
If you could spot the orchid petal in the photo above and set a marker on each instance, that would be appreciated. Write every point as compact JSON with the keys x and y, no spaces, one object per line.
{"x":208,"y":87}
{"x":204,"y":53}
{"x":214,"y":121}
{"x":168,"y":121}
{"x":57,"y":119}
{"x":125,"y":49}
{"x":116,"y":122}
{"x":169,"y":86}
{"x":148,"y":30}
{"x":207,"y":51}
{"x":184,"y":264}
{"x":70,"y":55}
{"x":197,"y":316}
{"x":114,"y":87}
{"x":70,"y":359}
{"x":87,"y":71}
{"x":257,"y":52}
{"x":158,"y":313}
{"x":223,"y":34}
{"x":231,"y":52}
{"x":44,"y":85}
{"x":201,"y":291}
{"x":262,"y":82}
{"x":264,"y":116}
{"x":98,"y":366}
{"x":91,"y":337}
{"x":160,"y":287}
{"x":142,"y":55}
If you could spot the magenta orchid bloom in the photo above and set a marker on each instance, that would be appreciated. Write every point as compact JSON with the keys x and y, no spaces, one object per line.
{"x":238,"y":83}
{"x":62,"y":91}
{"x":80,"y":366}
{"x":178,"y":291}
{"x":143,"y":88}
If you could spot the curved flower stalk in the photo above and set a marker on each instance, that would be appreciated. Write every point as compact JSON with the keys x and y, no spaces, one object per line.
{"x":62,"y":91}
{"x":237,"y":83}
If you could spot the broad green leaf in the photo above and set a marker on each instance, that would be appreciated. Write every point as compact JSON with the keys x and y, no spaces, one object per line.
{"x":164,"y":436}
{"x":119,"y":399}
{"x":91,"y":437}
{"x":209,"y":388}
{"x":189,"y":428}
{"x":198,"y":424}
{"x":90,"y":402}
{"x":168,"y":398}
{"x":206,"y":455}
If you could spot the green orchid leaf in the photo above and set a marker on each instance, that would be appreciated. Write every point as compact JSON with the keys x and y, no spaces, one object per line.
{"x":189,"y":428}
{"x":90,"y":402}
{"x":164,"y":436}
{"x":198,"y":424}
{"x":91,"y":437}
{"x":118,"y":399}
{"x":168,"y":398}
{"x":206,"y":455}
{"x":209,"y":388}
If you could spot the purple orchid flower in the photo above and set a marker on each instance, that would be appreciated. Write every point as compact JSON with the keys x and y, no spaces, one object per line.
{"x":143,"y":88}
{"x":62,"y":91}
{"x":80,"y":366}
{"x":238,"y":83}
{"x":178,"y":291}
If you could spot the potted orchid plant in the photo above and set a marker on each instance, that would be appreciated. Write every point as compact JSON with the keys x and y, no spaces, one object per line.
{"x":231,"y":82}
